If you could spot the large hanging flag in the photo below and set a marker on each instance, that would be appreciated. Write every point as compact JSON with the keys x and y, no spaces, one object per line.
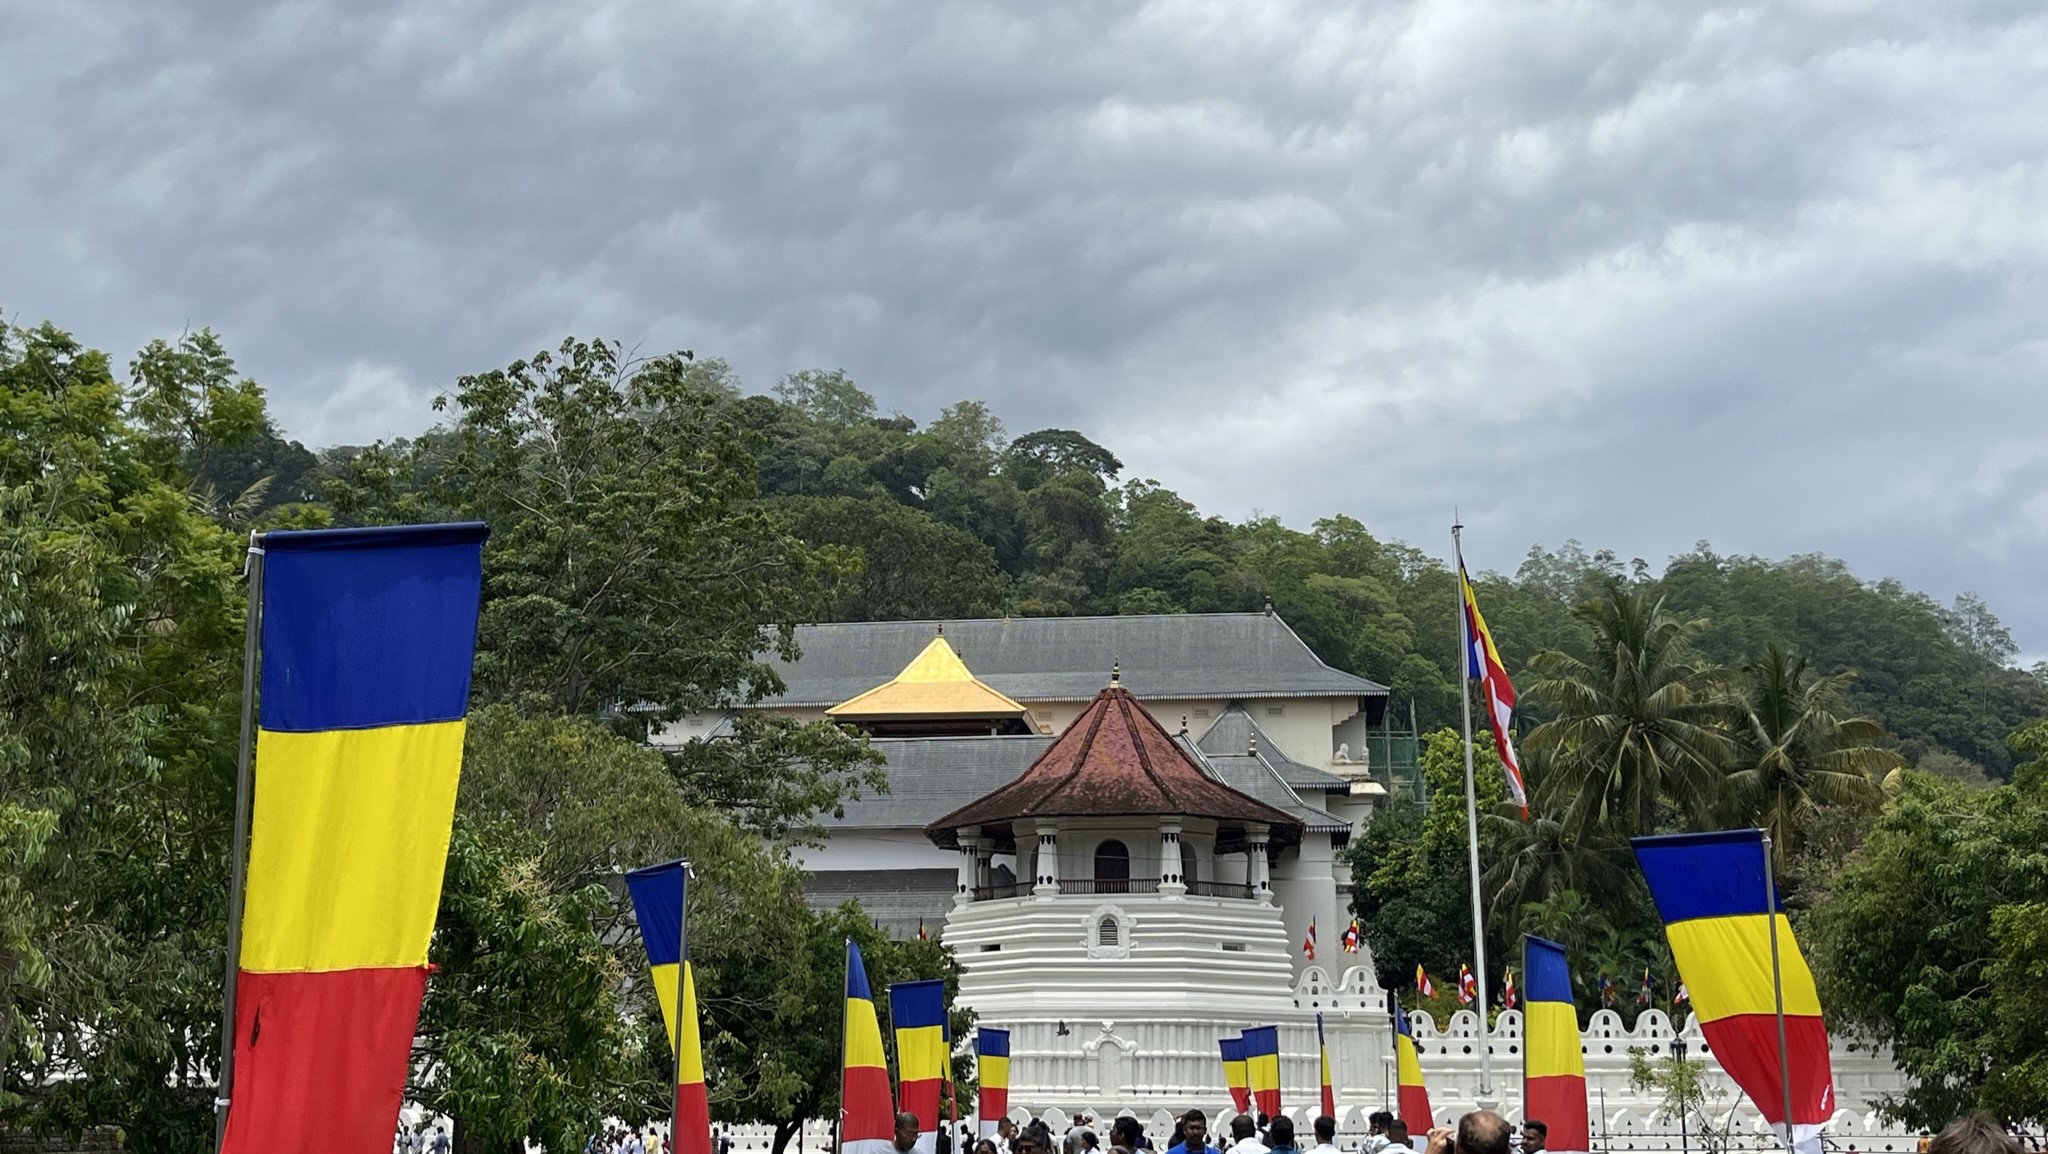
{"x":867,"y":1119}
{"x":1482,"y":664}
{"x":1468,"y":985}
{"x":1234,"y":1075}
{"x":1354,"y":937}
{"x":1323,"y":1054}
{"x":1308,"y":944}
{"x":1411,"y":1098}
{"x":659,"y":894}
{"x":1714,"y":892}
{"x":1423,"y":985}
{"x":992,"y":1067}
{"x":1553,"y":1068}
{"x":367,"y":637}
{"x":1262,"y":1067}
{"x":917,"y":1011}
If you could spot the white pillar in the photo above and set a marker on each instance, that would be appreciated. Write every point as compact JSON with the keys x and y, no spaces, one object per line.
{"x":1259,"y":870}
{"x":970,"y":869}
{"x":1047,"y":882}
{"x":1171,"y":883}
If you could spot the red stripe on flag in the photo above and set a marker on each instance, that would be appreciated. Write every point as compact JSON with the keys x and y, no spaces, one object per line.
{"x":921,"y":1098}
{"x":1240,"y":1099}
{"x":1746,"y":1045}
{"x":693,"y":1103}
{"x":994,"y":1103}
{"x":1559,"y":1102}
{"x":1413,"y":1102}
{"x":321,"y":1059}
{"x":868,"y":1111}
{"x":1329,"y":1100}
{"x":1269,"y":1101}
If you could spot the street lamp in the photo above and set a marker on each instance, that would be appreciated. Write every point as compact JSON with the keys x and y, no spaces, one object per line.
{"x":1684,"y":1084}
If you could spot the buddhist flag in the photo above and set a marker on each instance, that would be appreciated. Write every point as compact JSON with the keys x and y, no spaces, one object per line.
{"x":917,"y":1011}
{"x":1468,"y":985}
{"x":1308,"y":944}
{"x":1482,"y":664}
{"x":1234,"y":1074}
{"x":1323,"y":1053}
{"x":867,"y":1118}
{"x":1553,"y":1068}
{"x":1262,"y":1067}
{"x":1710,"y":889}
{"x":1411,"y":1096}
{"x":1353,"y":937}
{"x":658,"y":901}
{"x":992,"y":1058}
{"x":367,"y":637}
{"x":1423,"y":985}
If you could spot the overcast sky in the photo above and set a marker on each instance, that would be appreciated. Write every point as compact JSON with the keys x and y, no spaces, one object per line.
{"x":1772,"y":275}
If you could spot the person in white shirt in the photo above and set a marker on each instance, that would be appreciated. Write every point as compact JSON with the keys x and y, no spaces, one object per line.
{"x":1244,"y":1136}
{"x":1326,"y":1136}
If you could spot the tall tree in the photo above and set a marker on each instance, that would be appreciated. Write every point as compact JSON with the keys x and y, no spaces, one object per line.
{"x":1795,"y":754}
{"x":1635,"y":725}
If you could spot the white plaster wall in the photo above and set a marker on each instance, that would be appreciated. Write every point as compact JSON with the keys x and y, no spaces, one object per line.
{"x":876,"y":849}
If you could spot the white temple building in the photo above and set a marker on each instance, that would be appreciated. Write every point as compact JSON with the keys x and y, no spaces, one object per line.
{"x":1124,"y":827}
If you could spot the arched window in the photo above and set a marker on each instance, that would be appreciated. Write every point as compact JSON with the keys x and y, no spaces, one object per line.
{"x":1105,"y":932}
{"x":1187,"y":864}
{"x":1112,"y":867}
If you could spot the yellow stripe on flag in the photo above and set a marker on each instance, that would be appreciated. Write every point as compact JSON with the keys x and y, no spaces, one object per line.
{"x":863,"y":1034}
{"x":349,"y":837}
{"x":1551,"y":1035}
{"x":995,"y":1073}
{"x":921,"y":1053}
{"x":1407,"y":1067}
{"x":1727,"y":967}
{"x":692,"y":1069}
{"x":1263,"y":1071}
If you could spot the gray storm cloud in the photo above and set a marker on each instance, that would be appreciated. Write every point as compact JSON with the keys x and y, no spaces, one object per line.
{"x":1634,"y":273}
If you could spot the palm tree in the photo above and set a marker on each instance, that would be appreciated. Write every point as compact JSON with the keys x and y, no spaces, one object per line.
{"x":1795,"y":754}
{"x":1637,"y":724}
{"x":1538,"y":858}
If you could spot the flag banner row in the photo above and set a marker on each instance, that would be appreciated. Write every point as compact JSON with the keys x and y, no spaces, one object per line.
{"x":992,"y":1062}
{"x":1234,"y":1075}
{"x":660,"y":895}
{"x":367,"y":637}
{"x":1553,"y":1065}
{"x":1716,"y":896}
{"x":1262,"y":1067}
{"x":867,"y":1117}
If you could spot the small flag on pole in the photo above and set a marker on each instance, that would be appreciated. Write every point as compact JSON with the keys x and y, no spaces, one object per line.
{"x":1423,"y":985}
{"x":1354,"y":937}
{"x":1483,"y":664}
{"x":867,"y":1119}
{"x":917,"y":1010}
{"x":1716,"y":895}
{"x":1468,"y":985}
{"x":1681,"y":995}
{"x":1308,"y":944}
{"x":1262,"y":1067}
{"x":992,"y":1059}
{"x":1234,"y":1075}
{"x":1645,"y":995}
{"x":1606,"y":990}
{"x":1323,"y":1056}
{"x":1553,"y":1070}
{"x":1507,"y":991}
{"x":1411,"y":1097}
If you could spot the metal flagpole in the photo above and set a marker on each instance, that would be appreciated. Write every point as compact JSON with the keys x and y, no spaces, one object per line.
{"x":845,"y":1012}
{"x":1778,"y":988}
{"x":238,"y":878}
{"x":1472,"y":811}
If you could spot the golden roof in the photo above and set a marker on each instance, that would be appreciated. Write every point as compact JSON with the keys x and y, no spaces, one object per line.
{"x":936,"y":683}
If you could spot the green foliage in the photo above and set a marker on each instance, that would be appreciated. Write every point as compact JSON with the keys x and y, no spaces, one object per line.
{"x":1932,"y":940}
{"x":1685,"y":1095}
{"x":913,"y":565}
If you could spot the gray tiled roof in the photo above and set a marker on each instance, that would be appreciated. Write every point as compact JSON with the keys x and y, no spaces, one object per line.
{"x":1247,"y":774}
{"x":930,"y":777}
{"x":1231,"y":734}
{"x":1191,"y":655}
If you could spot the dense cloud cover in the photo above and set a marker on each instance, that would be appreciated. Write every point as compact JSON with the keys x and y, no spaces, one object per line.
{"x":1773,"y":275}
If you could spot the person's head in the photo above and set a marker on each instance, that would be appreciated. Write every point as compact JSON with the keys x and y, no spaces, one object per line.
{"x":1242,"y":1127}
{"x":1378,"y":1121}
{"x":1326,"y":1130}
{"x":1483,"y":1132}
{"x":1090,"y":1141}
{"x":1007,"y":1127}
{"x":985,"y":1146}
{"x":906,"y":1130}
{"x":1194,"y":1127}
{"x":1126,"y":1132}
{"x":1025,"y":1142}
{"x":1280,"y":1132}
{"x":1534,"y":1135}
{"x":1397,"y":1132}
{"x":1973,"y":1134}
